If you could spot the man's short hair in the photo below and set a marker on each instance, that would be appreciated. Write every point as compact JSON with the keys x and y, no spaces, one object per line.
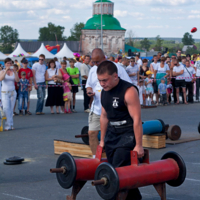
{"x":187,"y":61}
{"x":72,"y":60}
{"x":159,"y":53}
{"x":107,"y":67}
{"x":145,"y":60}
{"x":42,"y":55}
{"x":132,"y":58}
{"x":77,"y":59}
{"x":7,"y":60}
{"x":55,"y":59}
{"x":87,"y":56}
{"x":124,"y":59}
{"x":64,"y":58}
{"x":183,"y":57}
{"x":154,"y":56}
{"x":178,"y":50}
{"x":137,"y":56}
{"x":15,"y":60}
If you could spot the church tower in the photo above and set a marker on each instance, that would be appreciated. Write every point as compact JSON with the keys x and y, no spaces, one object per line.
{"x":113,"y":33}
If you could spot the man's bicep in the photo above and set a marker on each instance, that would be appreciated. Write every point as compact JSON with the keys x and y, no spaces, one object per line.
{"x":133,"y":103}
{"x":103,"y":112}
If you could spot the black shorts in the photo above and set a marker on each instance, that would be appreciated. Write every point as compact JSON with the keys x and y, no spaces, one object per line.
{"x":180,"y":83}
{"x":155,"y":87}
{"x":17,"y":91}
{"x":74,"y":89}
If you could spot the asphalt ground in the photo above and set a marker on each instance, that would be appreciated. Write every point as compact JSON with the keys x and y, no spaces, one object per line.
{"x":33,"y":139}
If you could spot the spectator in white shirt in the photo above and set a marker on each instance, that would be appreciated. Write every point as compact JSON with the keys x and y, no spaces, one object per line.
{"x":133,"y":71}
{"x":178,"y":72}
{"x":39,"y":70}
{"x":58,"y":65}
{"x":138,"y":60}
{"x":85,"y":68}
{"x":189,"y":74}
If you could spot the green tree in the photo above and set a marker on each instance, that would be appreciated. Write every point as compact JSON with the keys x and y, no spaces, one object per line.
{"x":187,"y":39}
{"x":145,"y":44}
{"x":191,"y":51}
{"x":158,"y":44}
{"x":51,"y":33}
{"x":76,"y":32}
{"x":8,"y":36}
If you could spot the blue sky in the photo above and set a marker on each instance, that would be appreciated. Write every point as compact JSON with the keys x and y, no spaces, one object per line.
{"x":146,"y":18}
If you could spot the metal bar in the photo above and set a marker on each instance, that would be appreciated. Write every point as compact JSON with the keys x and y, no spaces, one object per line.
{"x":81,"y":136}
{"x":58,"y":170}
{"x":103,"y":181}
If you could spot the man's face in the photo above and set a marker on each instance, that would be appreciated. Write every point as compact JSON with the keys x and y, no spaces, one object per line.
{"x":96,"y":59}
{"x":132,"y":62}
{"x":155,"y":59}
{"x":187,"y":64}
{"x":107,"y":81}
{"x":41,"y":60}
{"x":87,"y":60}
{"x":188,"y":58}
{"x":173,"y":57}
{"x":178,"y":53}
{"x":25,"y":65}
{"x":159,"y":55}
{"x":168,"y":60}
{"x":183,"y":61}
{"x":175,"y":63}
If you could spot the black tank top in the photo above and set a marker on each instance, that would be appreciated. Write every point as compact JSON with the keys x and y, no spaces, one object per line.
{"x":114,"y":104}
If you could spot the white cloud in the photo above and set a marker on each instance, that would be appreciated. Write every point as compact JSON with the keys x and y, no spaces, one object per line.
{"x":195,"y":11}
{"x":82,"y":4}
{"x":166,"y":10}
{"x":193,"y":16}
{"x":119,"y":13}
{"x":125,"y":13}
{"x":67,"y":17}
{"x":161,"y":2}
{"x":23,"y":5}
{"x":154,"y":26}
{"x":177,"y":18}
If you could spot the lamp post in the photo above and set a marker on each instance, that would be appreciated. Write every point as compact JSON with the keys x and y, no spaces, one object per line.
{"x":101,"y":25}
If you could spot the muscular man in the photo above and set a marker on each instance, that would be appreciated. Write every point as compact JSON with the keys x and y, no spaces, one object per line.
{"x":94,"y":90}
{"x":121,"y":124}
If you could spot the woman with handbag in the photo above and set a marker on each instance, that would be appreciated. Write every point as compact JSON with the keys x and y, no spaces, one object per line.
{"x":55,"y":90}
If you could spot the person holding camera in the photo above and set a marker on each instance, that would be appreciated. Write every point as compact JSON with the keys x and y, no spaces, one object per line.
{"x":8,"y":77}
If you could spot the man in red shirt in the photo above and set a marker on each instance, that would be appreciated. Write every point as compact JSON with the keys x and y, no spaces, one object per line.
{"x":29,"y":76}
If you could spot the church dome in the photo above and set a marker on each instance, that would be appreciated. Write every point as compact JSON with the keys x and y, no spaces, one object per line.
{"x":109,"y":22}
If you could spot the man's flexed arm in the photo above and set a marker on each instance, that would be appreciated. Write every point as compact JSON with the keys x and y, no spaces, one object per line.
{"x":134,"y":108}
{"x":103,"y":125}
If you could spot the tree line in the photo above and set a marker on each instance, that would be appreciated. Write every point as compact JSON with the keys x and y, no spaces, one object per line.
{"x":9,"y":35}
{"x":161,"y":45}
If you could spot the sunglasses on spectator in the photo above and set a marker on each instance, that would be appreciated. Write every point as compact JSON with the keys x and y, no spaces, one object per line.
{"x":132,"y":61}
{"x":96,"y":62}
{"x":179,"y":51}
{"x":41,"y":59}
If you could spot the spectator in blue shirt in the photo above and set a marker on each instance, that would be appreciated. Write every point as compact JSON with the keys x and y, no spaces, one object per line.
{"x":162,"y":91}
{"x":23,"y":93}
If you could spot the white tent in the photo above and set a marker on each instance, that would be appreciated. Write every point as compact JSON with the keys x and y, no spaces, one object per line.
{"x":2,"y":56}
{"x":43,"y":50}
{"x":65,"y":51}
{"x":17,"y":51}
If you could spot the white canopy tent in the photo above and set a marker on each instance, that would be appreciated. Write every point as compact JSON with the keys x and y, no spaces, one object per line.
{"x":43,"y":50}
{"x":19,"y":50}
{"x":65,"y":52}
{"x":2,"y":56}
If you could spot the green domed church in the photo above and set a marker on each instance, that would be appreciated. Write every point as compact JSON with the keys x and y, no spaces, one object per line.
{"x":113,"y":33}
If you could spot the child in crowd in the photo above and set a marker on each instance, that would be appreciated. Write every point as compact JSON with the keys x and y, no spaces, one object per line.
{"x":67,"y":95}
{"x":162,"y":91}
{"x":23,"y":93}
{"x":169,"y":90}
{"x":142,"y":92}
{"x":74,"y":73}
{"x":16,"y":68}
{"x":149,"y":88}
